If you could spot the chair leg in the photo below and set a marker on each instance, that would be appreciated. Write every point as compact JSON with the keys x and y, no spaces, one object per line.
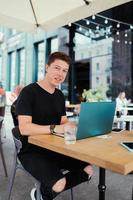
{"x":38,"y":191}
{"x":2,"y":157}
{"x":72,"y":194}
{"x":11,"y":180}
{"x":3,"y":130}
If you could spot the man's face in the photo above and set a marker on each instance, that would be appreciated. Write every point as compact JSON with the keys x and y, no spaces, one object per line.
{"x":57,"y":71}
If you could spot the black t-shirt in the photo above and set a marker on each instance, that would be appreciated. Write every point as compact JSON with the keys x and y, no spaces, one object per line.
{"x":45,"y":108}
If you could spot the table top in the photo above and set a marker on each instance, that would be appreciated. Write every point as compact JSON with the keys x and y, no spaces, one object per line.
{"x":104,"y":152}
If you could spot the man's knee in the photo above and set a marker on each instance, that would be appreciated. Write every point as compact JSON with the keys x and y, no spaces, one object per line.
{"x":89,"y":170}
{"x":59,"y":185}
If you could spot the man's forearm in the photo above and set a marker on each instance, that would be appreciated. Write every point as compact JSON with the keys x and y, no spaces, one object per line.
{"x":34,"y":129}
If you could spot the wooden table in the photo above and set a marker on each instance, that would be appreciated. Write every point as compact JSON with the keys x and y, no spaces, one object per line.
{"x":105,"y":153}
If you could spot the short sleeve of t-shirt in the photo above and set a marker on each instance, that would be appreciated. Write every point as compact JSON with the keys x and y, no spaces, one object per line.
{"x":25,"y":102}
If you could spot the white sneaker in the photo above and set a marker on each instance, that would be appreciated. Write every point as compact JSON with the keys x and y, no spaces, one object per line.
{"x":32,"y":194}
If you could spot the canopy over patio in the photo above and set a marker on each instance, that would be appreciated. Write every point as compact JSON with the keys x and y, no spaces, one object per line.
{"x":27,"y":15}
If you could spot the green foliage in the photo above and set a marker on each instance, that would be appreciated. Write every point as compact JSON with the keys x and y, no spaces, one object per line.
{"x":93,"y":95}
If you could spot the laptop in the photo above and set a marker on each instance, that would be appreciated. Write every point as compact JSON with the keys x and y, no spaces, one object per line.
{"x":95,"y":118}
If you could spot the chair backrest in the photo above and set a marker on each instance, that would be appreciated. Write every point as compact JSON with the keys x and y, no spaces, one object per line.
{"x":2,"y":111}
{"x":1,"y":121}
{"x":13,"y":113}
{"x":16,"y":138}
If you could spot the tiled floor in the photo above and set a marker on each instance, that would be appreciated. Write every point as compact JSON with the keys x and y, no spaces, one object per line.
{"x":118,"y":187}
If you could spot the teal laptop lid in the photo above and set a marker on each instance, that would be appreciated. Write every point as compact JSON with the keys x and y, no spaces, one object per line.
{"x":96,"y":118}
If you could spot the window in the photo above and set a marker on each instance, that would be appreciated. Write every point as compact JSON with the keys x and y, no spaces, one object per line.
{"x":108,"y":79}
{"x":97,"y":66}
{"x":97,"y":79}
{"x":13,"y":32}
{"x":41,"y":61}
{"x":54,"y":45}
{"x":109,"y":50}
{"x":22,"y":66}
{"x":109,"y":63}
{"x":81,"y":55}
{"x":97,"y":52}
{"x":13,"y":71}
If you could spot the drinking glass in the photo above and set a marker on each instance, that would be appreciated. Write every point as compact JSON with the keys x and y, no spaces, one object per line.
{"x":70,"y":134}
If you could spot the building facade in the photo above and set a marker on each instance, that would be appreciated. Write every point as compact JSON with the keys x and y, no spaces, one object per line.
{"x":23,"y":57}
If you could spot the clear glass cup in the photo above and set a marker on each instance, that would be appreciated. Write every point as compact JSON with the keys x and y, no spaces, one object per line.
{"x":70,"y":134}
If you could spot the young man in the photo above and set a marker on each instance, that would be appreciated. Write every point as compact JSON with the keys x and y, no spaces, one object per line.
{"x":41,"y":110}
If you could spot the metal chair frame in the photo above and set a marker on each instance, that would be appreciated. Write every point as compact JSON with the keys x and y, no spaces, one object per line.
{"x":1,"y":150}
{"x":17,"y":165}
{"x":2,"y":114}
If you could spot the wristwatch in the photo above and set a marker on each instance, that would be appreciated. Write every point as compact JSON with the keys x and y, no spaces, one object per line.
{"x":52,"y":127}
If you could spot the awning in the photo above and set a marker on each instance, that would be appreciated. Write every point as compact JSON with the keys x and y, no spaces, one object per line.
{"x":27,"y":15}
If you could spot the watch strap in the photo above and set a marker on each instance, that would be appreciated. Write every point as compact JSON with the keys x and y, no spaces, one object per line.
{"x":52,"y":127}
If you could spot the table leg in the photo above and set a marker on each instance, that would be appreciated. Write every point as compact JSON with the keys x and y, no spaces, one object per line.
{"x":102,"y":186}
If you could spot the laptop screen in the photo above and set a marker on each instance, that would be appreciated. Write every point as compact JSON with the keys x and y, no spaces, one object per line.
{"x":96,"y":118}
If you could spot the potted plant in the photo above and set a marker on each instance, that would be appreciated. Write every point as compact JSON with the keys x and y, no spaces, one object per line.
{"x":93,"y":95}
